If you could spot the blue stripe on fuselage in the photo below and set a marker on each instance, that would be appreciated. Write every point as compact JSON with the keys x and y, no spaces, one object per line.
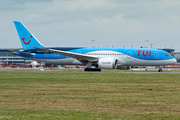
{"x":43,"y":56}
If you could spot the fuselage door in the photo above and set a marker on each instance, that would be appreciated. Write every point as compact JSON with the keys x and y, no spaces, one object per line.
{"x":129,"y":54}
{"x":156,"y":55}
{"x":46,"y":54}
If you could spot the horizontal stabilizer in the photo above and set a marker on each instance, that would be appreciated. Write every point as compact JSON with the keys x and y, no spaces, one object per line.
{"x":16,"y":51}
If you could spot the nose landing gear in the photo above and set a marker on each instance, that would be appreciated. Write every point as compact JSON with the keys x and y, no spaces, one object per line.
{"x":160,"y":69}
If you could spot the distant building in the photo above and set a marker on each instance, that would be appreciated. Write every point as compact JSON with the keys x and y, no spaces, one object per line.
{"x":176,"y":55}
{"x":7,"y":58}
{"x":168,"y":50}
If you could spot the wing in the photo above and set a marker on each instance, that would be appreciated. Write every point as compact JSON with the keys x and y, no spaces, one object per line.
{"x":81,"y":57}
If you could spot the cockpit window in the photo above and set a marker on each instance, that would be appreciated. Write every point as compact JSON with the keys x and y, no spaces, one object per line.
{"x":168,"y":55}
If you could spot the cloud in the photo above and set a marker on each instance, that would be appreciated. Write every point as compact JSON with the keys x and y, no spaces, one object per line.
{"x":76,"y":22}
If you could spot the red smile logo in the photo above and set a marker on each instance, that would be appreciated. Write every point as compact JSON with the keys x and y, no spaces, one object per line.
{"x":27,"y":42}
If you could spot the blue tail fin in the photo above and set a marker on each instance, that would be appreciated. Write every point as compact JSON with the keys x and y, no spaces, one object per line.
{"x":28,"y":40}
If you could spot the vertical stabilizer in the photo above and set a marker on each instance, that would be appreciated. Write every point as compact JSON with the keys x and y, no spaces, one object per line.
{"x":28,"y":40}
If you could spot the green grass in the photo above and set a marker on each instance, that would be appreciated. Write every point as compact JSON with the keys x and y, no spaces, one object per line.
{"x":89,"y":96}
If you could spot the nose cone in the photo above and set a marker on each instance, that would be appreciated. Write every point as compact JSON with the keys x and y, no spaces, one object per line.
{"x":174,"y":61}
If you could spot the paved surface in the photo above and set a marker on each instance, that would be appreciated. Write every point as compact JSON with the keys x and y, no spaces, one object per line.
{"x":93,"y":72}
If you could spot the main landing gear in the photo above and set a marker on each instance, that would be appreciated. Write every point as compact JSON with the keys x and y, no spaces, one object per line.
{"x":92,"y":69}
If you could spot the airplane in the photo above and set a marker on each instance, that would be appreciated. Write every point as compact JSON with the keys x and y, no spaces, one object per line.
{"x":99,"y":58}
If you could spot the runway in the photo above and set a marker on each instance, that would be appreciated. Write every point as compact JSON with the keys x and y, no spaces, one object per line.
{"x":93,"y":72}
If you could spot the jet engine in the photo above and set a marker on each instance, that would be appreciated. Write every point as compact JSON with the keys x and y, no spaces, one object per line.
{"x":34,"y":63}
{"x":107,"y":63}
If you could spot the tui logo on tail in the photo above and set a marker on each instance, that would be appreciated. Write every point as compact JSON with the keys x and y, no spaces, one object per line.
{"x":27,"y":42}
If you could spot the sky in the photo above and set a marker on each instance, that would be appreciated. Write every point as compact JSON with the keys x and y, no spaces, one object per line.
{"x":111,"y":23}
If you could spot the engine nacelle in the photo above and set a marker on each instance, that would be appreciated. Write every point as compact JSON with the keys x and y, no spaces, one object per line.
{"x":107,"y":63}
{"x":34,"y":63}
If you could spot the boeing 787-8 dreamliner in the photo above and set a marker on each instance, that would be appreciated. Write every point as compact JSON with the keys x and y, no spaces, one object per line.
{"x":101,"y":58}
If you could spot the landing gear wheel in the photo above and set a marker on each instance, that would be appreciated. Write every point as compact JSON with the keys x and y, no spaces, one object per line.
{"x":87,"y":69}
{"x":160,"y":70}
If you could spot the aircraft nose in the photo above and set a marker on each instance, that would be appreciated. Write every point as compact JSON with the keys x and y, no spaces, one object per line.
{"x":174,"y":61}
